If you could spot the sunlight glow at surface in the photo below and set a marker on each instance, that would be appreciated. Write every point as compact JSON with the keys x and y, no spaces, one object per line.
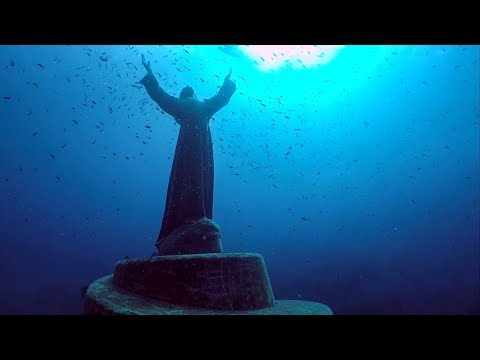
{"x":272,"y":57}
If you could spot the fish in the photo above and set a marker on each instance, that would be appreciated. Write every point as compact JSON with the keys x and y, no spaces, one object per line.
{"x":35,"y":133}
{"x":40,"y":65}
{"x":75,"y":121}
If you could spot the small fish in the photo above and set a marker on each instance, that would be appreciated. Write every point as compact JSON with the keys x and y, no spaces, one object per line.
{"x":53,"y":157}
{"x":7,"y":97}
{"x":58,"y":178}
{"x":64,"y":146}
{"x":126,"y":157}
{"x":75,"y":121}
{"x":40,"y":65}
{"x":35,"y":133}
{"x":148,"y":126}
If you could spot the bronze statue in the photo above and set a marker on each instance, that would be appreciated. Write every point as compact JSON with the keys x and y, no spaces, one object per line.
{"x":187,"y":227}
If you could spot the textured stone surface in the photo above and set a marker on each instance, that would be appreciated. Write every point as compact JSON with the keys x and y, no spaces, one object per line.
{"x":198,"y":237}
{"x":104,"y":298}
{"x":214,"y":281}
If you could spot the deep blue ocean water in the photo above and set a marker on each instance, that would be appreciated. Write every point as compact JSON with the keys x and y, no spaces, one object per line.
{"x":356,"y":178}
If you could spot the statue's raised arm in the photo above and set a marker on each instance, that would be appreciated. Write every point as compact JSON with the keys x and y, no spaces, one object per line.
{"x":223,"y":96}
{"x":170,"y":104}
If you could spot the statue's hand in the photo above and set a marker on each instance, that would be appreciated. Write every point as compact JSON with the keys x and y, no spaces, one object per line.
{"x":228,"y":75}
{"x":146,"y":65}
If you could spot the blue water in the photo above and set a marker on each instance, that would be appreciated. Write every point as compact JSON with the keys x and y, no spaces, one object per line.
{"x":366,"y":198}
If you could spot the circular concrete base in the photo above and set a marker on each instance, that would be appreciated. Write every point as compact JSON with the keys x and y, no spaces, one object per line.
{"x":104,"y":298}
{"x":228,"y":281}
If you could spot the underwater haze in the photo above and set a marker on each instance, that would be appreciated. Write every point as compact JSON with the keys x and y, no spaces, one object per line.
{"x":353,"y":170}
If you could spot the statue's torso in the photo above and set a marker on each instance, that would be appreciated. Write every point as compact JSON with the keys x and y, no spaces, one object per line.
{"x":193,"y":113}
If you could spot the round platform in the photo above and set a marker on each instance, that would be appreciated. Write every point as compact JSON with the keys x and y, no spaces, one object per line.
{"x":228,"y":281}
{"x":104,"y":298}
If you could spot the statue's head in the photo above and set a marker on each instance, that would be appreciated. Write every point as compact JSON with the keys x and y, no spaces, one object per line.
{"x":186,"y":92}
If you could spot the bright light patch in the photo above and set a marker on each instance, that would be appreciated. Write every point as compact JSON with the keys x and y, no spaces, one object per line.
{"x":272,"y":57}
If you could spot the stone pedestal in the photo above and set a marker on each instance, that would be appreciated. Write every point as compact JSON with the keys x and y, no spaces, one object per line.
{"x":201,"y":284}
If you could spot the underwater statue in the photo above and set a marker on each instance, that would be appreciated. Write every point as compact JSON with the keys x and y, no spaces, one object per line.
{"x":187,"y":226}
